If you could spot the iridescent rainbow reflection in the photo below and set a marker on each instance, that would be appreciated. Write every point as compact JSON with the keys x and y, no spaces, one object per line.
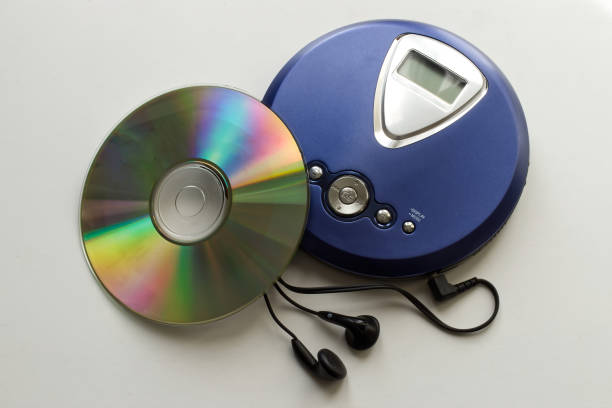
{"x":171,"y":283}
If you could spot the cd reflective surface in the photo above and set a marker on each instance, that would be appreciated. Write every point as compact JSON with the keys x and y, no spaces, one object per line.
{"x":194,"y":205}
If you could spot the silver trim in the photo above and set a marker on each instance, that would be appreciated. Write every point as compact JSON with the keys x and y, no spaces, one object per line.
{"x":404,"y":112}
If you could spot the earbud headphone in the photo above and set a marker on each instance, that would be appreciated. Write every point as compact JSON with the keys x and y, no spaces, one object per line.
{"x":328,"y":366}
{"x":363,"y":331}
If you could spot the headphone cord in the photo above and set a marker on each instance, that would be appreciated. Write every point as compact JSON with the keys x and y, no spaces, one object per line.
{"x":276,"y":319}
{"x":293,"y":302}
{"x":438,"y":284}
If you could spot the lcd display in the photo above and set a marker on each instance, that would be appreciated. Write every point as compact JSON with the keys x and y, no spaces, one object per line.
{"x":431,"y":76}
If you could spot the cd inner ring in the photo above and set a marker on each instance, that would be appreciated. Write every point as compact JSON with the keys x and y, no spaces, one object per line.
{"x":190,"y":202}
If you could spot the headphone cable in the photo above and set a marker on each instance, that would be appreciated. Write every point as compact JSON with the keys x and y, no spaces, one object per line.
{"x":276,"y":319}
{"x":438,"y":284}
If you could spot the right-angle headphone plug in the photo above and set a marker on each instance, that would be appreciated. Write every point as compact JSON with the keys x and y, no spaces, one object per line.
{"x":442,"y":289}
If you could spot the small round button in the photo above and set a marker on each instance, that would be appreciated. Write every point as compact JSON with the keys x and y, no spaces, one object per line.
{"x":315,"y":172}
{"x":384,"y":216}
{"x":408,"y":227}
{"x":348,"y":196}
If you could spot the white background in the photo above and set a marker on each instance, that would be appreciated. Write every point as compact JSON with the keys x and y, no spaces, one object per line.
{"x":69,"y":71}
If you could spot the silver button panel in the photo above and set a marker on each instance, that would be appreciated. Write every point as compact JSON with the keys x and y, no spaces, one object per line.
{"x":348,"y":196}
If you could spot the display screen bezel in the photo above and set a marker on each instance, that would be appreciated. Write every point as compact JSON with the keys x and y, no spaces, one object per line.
{"x":428,"y":66}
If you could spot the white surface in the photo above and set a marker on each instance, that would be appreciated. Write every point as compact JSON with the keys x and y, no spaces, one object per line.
{"x":71,"y":70}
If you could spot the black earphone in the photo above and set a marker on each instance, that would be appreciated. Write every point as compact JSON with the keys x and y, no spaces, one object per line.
{"x":363,"y":331}
{"x":328,"y":366}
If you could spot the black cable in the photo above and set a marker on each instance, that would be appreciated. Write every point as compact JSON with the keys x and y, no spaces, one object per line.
{"x":280,"y":324}
{"x":293,"y":302}
{"x":416,"y":302}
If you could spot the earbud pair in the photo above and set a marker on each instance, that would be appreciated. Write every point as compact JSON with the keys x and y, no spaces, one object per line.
{"x":361,"y":333}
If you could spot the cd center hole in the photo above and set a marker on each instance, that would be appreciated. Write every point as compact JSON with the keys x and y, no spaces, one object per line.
{"x":190,"y":201}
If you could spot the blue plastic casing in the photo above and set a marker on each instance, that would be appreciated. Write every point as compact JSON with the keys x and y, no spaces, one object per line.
{"x":458,"y":186}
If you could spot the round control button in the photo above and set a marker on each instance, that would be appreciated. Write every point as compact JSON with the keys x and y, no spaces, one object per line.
{"x":348,"y":196}
{"x":315,"y":172}
{"x":408,"y":227}
{"x":384,"y":216}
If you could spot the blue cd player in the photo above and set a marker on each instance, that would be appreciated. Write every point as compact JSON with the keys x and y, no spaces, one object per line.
{"x":416,"y":145}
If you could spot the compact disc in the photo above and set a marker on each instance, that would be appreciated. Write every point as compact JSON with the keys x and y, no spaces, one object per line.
{"x":194,"y":205}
